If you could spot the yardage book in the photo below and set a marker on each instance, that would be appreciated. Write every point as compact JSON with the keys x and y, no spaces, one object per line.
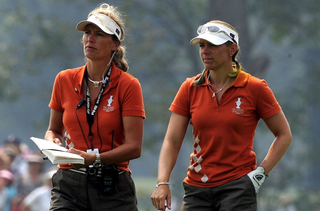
{"x":55,"y":153}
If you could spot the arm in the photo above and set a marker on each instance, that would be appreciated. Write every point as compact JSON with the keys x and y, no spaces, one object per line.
{"x":131,"y":149}
{"x":168,"y":156}
{"x":279,"y":126}
{"x":54,"y":133}
{"x":133,"y":128}
{"x":55,"y":130}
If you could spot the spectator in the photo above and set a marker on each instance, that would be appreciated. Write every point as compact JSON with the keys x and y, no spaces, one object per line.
{"x":7,"y":192}
{"x":13,"y":147}
{"x":29,"y":180}
{"x":39,"y":199}
{"x":5,"y":160}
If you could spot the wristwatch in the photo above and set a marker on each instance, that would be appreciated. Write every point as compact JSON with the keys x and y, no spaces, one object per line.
{"x":97,"y":161}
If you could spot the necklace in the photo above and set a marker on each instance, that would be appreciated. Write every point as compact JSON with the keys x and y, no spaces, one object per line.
{"x":214,"y":93}
{"x":95,"y":83}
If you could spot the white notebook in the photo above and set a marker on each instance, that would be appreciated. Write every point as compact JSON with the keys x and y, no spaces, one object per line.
{"x":57,"y":154}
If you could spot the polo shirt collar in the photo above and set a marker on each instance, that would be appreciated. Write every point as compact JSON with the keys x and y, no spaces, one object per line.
{"x":115,"y":75}
{"x":241,"y":79}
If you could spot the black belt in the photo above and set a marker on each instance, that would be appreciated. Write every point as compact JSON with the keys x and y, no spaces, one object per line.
{"x":84,"y":170}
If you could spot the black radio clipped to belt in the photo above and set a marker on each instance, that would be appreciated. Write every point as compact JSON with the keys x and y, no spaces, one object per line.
{"x":104,"y":177}
{"x":109,"y":178}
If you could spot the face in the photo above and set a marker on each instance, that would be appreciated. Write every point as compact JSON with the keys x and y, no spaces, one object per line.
{"x":34,"y":166}
{"x":4,"y":182}
{"x":215,"y":57}
{"x":97,"y":45}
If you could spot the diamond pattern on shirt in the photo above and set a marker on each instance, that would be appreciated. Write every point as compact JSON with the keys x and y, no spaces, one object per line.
{"x":196,"y":161}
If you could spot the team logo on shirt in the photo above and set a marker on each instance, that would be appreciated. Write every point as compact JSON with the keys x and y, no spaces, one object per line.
{"x":108,"y":107}
{"x":237,"y":109}
{"x":110,"y":100}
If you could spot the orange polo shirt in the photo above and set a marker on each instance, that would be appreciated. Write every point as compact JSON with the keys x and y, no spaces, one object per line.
{"x":122,"y":97}
{"x":223,"y":133}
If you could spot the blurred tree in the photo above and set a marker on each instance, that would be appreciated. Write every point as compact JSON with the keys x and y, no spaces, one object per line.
{"x":293,"y":21}
{"x":35,"y":38}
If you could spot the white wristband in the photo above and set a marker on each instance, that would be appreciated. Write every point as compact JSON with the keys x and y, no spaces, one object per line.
{"x":162,"y":183}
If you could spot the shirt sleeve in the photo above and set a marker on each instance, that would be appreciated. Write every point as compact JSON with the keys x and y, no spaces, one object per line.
{"x":55,"y":102}
{"x":132,"y":104}
{"x":267,"y":103}
{"x":180,"y":104}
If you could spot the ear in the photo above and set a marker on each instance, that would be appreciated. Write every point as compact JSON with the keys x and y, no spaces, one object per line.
{"x":116,"y":45}
{"x":233,"y":49}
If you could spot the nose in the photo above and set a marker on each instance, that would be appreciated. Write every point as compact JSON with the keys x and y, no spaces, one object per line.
{"x":91,"y":37}
{"x":204,"y":49}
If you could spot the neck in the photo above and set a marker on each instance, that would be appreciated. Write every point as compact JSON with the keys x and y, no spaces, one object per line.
{"x":97,"y":71}
{"x":218,"y":78}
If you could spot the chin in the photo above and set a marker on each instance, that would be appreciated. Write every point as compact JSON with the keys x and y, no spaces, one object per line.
{"x":208,"y":67}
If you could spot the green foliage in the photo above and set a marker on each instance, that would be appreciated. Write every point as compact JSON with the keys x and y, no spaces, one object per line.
{"x":289,"y":20}
{"x":33,"y":41}
{"x":291,"y":198}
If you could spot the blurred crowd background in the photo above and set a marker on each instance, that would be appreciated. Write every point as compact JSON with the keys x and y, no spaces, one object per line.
{"x":25,"y":179}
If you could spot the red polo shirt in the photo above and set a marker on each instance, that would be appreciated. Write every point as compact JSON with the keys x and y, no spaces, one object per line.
{"x":223,"y":133}
{"x":122,"y":97}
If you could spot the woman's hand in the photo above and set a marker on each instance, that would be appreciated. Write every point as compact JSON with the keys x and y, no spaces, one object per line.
{"x":161,"y":198}
{"x":89,"y":158}
{"x":55,"y":129}
{"x":57,"y":141}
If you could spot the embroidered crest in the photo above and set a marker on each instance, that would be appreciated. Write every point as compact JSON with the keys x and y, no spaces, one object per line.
{"x":109,"y":107}
{"x":237,"y":109}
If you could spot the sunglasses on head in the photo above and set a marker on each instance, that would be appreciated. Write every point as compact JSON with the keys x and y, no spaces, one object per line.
{"x":215,"y":29}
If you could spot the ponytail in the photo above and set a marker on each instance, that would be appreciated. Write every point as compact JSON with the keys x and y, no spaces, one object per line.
{"x":201,"y":79}
{"x":119,"y":59}
{"x":235,"y":71}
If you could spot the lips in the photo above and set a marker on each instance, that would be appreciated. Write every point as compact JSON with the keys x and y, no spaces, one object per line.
{"x":207,"y":59}
{"x":90,"y":48}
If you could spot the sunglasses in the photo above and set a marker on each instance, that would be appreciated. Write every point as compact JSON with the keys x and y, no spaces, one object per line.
{"x":215,"y":29}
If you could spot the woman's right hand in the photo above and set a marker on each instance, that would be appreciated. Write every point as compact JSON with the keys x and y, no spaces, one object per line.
{"x":161,"y":198}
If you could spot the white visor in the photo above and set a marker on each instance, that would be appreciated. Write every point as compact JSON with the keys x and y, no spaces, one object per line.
{"x":221,"y":35}
{"x":104,"y":22}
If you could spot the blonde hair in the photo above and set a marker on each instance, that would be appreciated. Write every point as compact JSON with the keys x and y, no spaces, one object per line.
{"x":235,"y":70}
{"x":120,"y":54}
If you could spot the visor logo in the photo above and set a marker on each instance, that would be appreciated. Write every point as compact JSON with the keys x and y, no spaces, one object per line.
{"x":117,"y":31}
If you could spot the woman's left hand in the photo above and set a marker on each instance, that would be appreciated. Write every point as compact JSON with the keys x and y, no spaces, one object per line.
{"x":89,"y":158}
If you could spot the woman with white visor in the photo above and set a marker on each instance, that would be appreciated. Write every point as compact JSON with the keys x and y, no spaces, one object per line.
{"x":97,"y":112}
{"x":223,"y":104}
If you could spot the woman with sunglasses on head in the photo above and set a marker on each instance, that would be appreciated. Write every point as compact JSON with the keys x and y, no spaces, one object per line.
{"x":97,"y":111}
{"x":223,"y":104}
